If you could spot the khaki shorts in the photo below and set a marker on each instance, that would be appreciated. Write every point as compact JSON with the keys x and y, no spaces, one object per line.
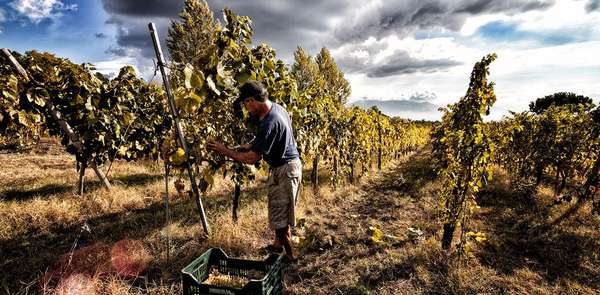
{"x":283,"y":185}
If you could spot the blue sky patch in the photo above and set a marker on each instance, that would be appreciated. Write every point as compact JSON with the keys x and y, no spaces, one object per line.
{"x":505,"y":32}
{"x":72,"y":34}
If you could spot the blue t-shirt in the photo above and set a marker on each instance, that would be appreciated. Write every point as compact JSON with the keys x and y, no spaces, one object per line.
{"x":275,"y":137}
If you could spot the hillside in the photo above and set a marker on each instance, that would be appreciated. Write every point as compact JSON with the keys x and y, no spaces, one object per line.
{"x":418,"y":110}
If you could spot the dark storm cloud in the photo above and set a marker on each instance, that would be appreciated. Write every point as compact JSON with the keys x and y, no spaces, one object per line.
{"x":422,"y":96}
{"x":399,"y":63}
{"x":282,"y":24}
{"x":402,"y":63}
{"x":133,"y":33}
{"x":486,"y":6}
{"x":404,"y":17}
{"x":131,"y":18}
{"x":286,"y":24}
{"x":274,"y":15}
{"x":315,"y":23}
{"x":143,"y":8}
{"x":117,"y":51}
{"x":592,"y":5}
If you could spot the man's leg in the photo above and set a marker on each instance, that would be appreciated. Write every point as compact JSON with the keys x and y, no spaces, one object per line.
{"x":272,"y":193}
{"x":285,"y":238}
{"x":282,"y":199}
{"x":276,"y":243}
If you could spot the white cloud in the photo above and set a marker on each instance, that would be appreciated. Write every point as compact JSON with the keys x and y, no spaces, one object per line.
{"x":425,"y":46}
{"x":521,"y":76}
{"x":568,"y":18}
{"x":390,"y":56}
{"x":111,"y":68}
{"x":2,"y":15}
{"x":2,"y":18}
{"x":448,"y":84}
{"x":562,"y":14}
{"x":535,"y":64}
{"x":38,"y":10}
{"x":525,"y":75}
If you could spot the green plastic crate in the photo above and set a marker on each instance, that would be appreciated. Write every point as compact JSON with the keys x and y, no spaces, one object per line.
{"x":197,"y":272}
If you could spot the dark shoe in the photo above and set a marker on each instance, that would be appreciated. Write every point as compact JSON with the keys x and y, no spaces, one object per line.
{"x":272,"y":249}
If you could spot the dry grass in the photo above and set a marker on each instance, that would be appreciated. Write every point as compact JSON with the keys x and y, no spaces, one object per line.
{"x":42,"y":221}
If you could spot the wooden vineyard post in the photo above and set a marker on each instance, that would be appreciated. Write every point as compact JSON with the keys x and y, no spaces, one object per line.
{"x":335,"y":171}
{"x":379,"y":148}
{"x":81,"y":182}
{"x":315,"y":174}
{"x":180,"y":135}
{"x":15,"y":64}
{"x":167,"y":212}
{"x":55,"y":114}
{"x":236,"y":201}
{"x":593,"y":181}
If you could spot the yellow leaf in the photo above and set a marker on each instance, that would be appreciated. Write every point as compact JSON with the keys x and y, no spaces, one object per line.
{"x":178,"y":157}
{"x":376,"y":235}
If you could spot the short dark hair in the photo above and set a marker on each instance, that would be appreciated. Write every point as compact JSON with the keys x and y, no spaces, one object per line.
{"x":253,"y":88}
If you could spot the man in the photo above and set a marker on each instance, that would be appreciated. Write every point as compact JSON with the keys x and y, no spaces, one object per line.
{"x":275,"y":143}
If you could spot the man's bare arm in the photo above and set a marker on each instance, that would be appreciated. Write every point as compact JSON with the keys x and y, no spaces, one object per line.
{"x":249,"y":157}
{"x":246,"y":157}
{"x":243,"y":148}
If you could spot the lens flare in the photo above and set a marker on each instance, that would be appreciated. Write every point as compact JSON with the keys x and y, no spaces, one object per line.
{"x":129,"y":258}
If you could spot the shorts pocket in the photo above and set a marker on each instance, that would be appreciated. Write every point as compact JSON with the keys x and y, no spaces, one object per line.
{"x":294,"y":169}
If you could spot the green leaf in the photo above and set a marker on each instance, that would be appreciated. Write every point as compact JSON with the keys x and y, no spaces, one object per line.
{"x":197,"y":80}
{"x":242,"y":77}
{"x":270,"y":65}
{"x":122,"y":151}
{"x":8,"y":95}
{"x":22,"y":118}
{"x":36,"y":118}
{"x":196,"y":98}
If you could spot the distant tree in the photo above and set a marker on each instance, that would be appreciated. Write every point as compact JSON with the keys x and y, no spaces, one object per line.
{"x":559,"y":99}
{"x":335,"y":84}
{"x":191,"y":37}
{"x":375,"y":109}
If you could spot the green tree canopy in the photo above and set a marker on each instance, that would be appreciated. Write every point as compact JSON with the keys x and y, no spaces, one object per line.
{"x":189,"y":39}
{"x":335,"y":84}
{"x":304,"y":70}
{"x":559,"y":99}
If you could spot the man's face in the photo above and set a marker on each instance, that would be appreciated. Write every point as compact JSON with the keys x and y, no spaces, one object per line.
{"x":251,"y":105}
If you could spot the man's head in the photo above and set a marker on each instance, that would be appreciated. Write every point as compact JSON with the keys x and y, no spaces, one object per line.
{"x":253,"y":95}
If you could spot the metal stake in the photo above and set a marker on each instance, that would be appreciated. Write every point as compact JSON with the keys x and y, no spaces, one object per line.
{"x":181,"y":137}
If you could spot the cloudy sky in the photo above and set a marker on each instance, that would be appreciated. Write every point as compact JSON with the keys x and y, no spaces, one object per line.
{"x":418,"y":51}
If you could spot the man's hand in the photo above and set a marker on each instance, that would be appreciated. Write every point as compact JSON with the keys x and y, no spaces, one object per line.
{"x":246,"y":157}
{"x":217,"y":147}
{"x":243,"y":148}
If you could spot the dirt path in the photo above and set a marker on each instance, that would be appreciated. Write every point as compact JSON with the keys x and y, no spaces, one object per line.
{"x":521,"y":255}
{"x":338,"y":253}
